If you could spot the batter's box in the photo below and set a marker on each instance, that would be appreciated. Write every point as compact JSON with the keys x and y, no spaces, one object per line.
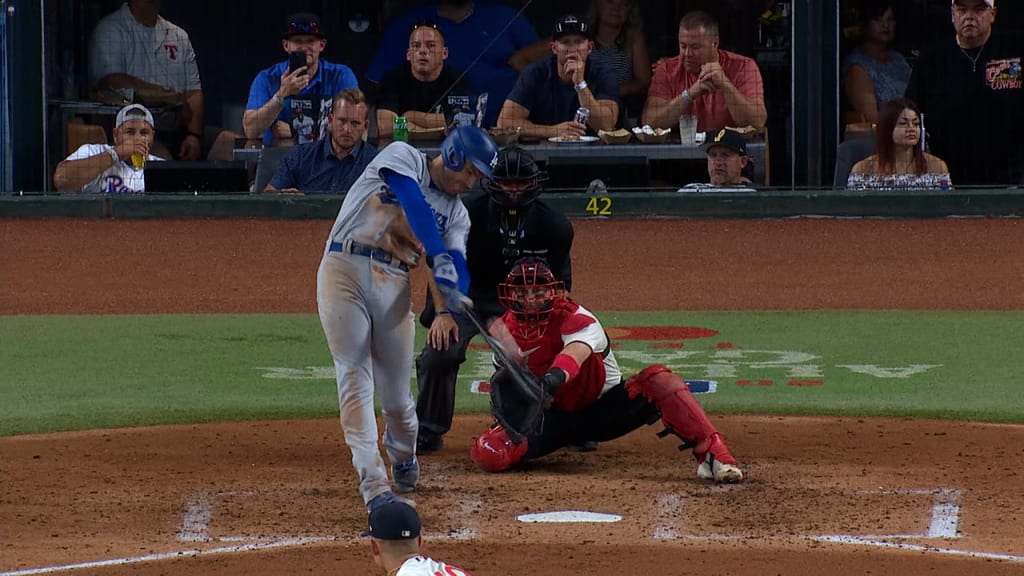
{"x":256,"y":515}
{"x":762,"y":511}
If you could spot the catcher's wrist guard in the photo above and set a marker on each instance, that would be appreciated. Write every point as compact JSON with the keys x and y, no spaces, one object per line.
{"x":568,"y":364}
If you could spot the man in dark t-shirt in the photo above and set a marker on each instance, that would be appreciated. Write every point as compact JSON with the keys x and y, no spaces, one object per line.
{"x":969,"y":89}
{"x":544,"y":99}
{"x":425,"y":89}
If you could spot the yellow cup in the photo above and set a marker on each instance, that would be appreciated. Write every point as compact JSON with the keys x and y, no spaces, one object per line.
{"x":138,"y":161}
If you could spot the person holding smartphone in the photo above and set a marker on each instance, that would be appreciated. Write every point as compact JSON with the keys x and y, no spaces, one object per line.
{"x":302,"y":82}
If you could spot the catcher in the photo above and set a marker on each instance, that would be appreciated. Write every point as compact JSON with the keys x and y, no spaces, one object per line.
{"x":575,"y":391}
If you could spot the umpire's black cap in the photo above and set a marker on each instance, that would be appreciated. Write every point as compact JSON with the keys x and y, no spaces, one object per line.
{"x":394,"y":521}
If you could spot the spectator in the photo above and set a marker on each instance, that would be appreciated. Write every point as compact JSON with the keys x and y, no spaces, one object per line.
{"x":419,"y":89}
{"x":727,"y":157}
{"x":397,"y":544}
{"x":332,"y":164}
{"x":619,"y":44}
{"x":719,"y":87}
{"x":481,"y":39}
{"x":899,"y":161}
{"x":278,"y":92}
{"x":106,"y":169}
{"x":874,"y":73}
{"x":508,"y":222}
{"x":544,"y":101}
{"x":969,"y":90}
{"x":135,"y":51}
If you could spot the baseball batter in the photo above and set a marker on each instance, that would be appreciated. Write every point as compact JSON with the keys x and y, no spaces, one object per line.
{"x":566,"y":347}
{"x":402,"y":205}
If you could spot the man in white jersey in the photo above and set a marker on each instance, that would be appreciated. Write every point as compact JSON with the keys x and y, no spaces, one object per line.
{"x":134,"y":48}
{"x":402,"y":205}
{"x":106,"y":169}
{"x":396,"y":543}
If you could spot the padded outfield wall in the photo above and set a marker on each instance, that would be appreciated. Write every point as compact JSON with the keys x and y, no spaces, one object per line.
{"x":1007,"y":202}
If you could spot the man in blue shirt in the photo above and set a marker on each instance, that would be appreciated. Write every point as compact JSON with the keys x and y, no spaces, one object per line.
{"x":544,"y":100}
{"x":277,"y":92}
{"x":479,"y":44}
{"x":330,"y":165}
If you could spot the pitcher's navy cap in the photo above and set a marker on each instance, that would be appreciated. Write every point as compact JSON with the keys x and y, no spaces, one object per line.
{"x":394,"y":521}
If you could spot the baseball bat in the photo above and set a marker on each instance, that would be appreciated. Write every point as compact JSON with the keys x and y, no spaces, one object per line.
{"x":520,"y":376}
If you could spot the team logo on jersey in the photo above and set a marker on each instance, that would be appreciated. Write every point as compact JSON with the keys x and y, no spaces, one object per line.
{"x":114,"y":184}
{"x":1004,"y":74}
{"x":172,"y":51}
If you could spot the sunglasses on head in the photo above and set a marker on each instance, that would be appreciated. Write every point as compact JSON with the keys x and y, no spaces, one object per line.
{"x":303,"y":28}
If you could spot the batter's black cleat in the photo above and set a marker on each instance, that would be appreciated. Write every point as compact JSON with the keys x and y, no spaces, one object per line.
{"x":585,"y":446}
{"x":427,"y":443}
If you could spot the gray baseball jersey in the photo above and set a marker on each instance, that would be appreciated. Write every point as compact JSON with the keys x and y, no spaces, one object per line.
{"x":365,"y":304}
{"x":371,"y":214}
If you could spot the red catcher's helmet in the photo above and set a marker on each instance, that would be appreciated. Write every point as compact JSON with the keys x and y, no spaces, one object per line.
{"x":529,"y":292}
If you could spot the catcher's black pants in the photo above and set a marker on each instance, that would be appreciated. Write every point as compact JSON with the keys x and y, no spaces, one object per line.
{"x":611,"y":416}
{"x":436,"y":375}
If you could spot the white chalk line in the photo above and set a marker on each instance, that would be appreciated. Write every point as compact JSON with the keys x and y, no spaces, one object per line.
{"x":199,"y":511}
{"x":172,"y":555}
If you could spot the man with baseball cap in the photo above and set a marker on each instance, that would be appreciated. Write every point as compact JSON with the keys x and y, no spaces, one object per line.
{"x":278,"y":91}
{"x":970,"y":89}
{"x":396,"y":543}
{"x":727,"y":157}
{"x":545,"y":98}
{"x":106,"y":169}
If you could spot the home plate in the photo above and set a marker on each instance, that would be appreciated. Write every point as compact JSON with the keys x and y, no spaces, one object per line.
{"x":565,"y":516}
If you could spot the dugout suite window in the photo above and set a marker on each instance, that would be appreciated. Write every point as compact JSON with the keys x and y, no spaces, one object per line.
{"x":758,"y":29}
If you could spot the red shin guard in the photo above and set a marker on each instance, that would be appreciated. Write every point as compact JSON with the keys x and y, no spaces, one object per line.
{"x":680,"y":412}
{"x":493,"y":451}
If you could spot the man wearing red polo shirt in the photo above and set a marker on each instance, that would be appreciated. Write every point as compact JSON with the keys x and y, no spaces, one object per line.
{"x":719,"y":87}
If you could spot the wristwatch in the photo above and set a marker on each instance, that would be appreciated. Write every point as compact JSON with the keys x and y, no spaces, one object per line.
{"x":277,"y":99}
{"x":581,"y":86}
{"x":686,"y":96}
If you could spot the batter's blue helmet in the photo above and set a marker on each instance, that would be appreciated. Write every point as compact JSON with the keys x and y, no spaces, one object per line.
{"x":473,"y":144}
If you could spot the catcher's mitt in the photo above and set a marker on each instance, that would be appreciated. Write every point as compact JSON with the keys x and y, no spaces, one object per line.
{"x":518,"y":400}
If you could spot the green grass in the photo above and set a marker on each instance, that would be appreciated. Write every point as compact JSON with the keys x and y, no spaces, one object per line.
{"x":83,"y":372}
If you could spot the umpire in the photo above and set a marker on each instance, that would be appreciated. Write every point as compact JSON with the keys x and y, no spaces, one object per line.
{"x":506,"y":224}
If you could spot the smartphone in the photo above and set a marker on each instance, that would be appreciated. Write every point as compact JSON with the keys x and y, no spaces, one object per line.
{"x":296,"y":60}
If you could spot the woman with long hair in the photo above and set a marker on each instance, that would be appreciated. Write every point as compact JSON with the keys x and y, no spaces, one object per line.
{"x":899,"y":160}
{"x":874,"y":73}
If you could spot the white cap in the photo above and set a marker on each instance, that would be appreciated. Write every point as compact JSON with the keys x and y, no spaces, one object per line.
{"x":125,"y":114}
{"x":991,"y":3}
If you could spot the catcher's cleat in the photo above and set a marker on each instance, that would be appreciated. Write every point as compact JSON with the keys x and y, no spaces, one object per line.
{"x":385,"y":498}
{"x":406,"y":475}
{"x":717,"y":463}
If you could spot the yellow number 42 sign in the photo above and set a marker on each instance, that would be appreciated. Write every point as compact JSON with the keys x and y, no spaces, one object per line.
{"x":599,"y":205}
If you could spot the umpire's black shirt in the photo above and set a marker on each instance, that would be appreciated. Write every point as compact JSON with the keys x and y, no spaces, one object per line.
{"x":545,"y":229}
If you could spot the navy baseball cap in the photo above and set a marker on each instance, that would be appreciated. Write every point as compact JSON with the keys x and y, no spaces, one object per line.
{"x":303,"y":24}
{"x":570,"y":24}
{"x":730,"y":139}
{"x":394,"y":521}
